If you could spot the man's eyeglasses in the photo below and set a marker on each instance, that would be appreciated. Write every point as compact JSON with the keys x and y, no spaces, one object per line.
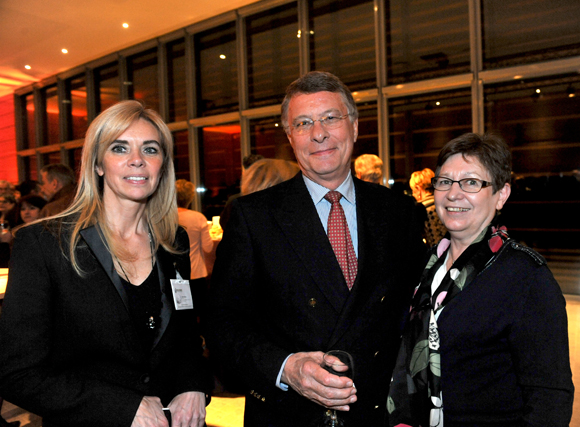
{"x":304,"y":126}
{"x":469,"y":185}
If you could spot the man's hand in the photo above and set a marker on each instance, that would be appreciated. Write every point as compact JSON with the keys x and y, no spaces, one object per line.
{"x":150,"y":413}
{"x":303,"y":372}
{"x":188,"y":409}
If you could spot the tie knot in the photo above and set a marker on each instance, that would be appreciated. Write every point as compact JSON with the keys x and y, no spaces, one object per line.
{"x":333,"y":196}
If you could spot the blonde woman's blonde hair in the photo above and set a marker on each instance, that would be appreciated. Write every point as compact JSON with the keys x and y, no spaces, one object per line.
{"x":369,"y":167}
{"x":88,"y":209}
{"x":267,"y":172}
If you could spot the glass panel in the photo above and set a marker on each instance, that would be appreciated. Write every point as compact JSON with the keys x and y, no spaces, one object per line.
{"x":541,"y":129}
{"x":267,"y":138}
{"x":342,"y":40}
{"x":52,"y":112}
{"x":108,"y":89}
{"x":142,"y":71}
{"x":420,"y":126}
{"x":181,"y":155}
{"x":74,"y":156}
{"x":30,"y":168}
{"x":30,"y":139}
{"x":78,"y":97}
{"x":426,"y":39}
{"x":177,"y":86}
{"x":527,"y":31}
{"x":368,"y":130}
{"x":272,"y":54}
{"x":220,"y":165}
{"x":217,"y":78}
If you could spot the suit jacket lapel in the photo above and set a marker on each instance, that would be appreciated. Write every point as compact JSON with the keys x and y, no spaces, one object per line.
{"x":300,"y":222}
{"x":166,"y":270}
{"x":92,"y":237}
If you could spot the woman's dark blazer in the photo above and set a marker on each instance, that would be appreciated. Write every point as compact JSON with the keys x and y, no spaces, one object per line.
{"x":68,"y":349}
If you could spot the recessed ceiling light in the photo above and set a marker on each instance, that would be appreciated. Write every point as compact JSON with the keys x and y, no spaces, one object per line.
{"x":125,"y":25}
{"x":64,"y":50}
{"x":28,"y":67}
{"x":222,"y":56}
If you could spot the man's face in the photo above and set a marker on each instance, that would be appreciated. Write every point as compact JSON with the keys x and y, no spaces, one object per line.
{"x":47,"y":188}
{"x":323,"y":154}
{"x":4,"y":187}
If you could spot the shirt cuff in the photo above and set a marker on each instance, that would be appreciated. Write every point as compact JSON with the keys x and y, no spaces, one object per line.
{"x":279,"y":383}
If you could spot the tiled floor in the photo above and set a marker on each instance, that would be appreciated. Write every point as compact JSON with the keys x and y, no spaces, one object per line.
{"x":227,"y":410}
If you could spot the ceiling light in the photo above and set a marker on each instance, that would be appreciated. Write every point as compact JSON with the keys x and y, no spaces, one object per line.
{"x":438,"y":103}
{"x":125,"y":25}
{"x":64,"y":50}
{"x":538,"y":90}
{"x":571,"y":92}
{"x":28,"y":67}
{"x":222,"y":56}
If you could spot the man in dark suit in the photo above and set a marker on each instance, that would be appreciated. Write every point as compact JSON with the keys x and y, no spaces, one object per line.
{"x":280,"y":297}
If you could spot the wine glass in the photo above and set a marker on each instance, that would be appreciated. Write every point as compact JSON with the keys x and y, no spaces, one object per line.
{"x":339,"y":363}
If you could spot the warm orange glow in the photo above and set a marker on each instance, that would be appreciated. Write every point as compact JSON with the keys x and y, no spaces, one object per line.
{"x":229,"y":129}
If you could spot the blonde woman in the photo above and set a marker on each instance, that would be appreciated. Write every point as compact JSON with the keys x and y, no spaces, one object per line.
{"x":266,"y":173}
{"x":89,"y":333}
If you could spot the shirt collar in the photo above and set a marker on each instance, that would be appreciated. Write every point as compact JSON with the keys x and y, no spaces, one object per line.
{"x":317,"y":191}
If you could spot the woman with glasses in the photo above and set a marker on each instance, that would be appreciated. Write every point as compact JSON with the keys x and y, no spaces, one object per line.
{"x":486,"y":342}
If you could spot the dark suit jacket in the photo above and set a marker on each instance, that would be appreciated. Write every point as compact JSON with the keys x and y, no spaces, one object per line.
{"x":68,"y":349}
{"x":278,"y":289}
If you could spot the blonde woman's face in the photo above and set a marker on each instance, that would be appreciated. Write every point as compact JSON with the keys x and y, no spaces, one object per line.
{"x":131,"y":166}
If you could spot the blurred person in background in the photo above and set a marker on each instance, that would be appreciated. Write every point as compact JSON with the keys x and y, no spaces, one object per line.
{"x":27,"y":187}
{"x":267,"y":172}
{"x":30,"y":207}
{"x":369,"y":167}
{"x":200,"y":242}
{"x":486,"y":342}
{"x":94,"y":331}
{"x":6,"y":187}
{"x":58,"y":187}
{"x":422,"y":189}
{"x":8,"y":219}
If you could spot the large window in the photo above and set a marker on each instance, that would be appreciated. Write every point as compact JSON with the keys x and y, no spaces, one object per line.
{"x":426,"y":39}
{"x":268,"y":139}
{"x":51,"y":116}
{"x":77,"y":119}
{"x":272,"y":54}
{"x":526,"y":31}
{"x":29,"y":128}
{"x":220,"y":166}
{"x":108,"y":86}
{"x":181,"y":154}
{"x":143,"y":79}
{"x":177,"y":90}
{"x":420,"y":126}
{"x":368,"y":138}
{"x":342,"y":40}
{"x":540,"y":120}
{"x":217,"y":78}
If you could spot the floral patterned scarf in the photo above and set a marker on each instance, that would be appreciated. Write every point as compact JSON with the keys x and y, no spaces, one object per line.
{"x":415,"y":391}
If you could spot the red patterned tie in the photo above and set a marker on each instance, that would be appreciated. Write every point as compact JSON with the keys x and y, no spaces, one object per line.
{"x":340,"y":240}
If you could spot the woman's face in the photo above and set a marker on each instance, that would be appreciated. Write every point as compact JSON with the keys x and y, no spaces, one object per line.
{"x":132,"y":164}
{"x":29,"y":212}
{"x":466,"y":214}
{"x":5,"y":205}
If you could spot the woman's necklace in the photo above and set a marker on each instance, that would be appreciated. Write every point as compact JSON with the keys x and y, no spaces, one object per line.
{"x":150,"y":323}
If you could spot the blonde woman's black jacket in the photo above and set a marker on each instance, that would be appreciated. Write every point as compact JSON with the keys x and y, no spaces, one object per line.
{"x":68,"y":349}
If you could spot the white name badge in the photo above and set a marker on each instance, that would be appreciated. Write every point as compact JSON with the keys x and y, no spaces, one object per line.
{"x":181,"y":294}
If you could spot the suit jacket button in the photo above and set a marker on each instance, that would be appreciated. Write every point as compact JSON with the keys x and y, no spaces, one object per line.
{"x":312,"y":302}
{"x":145,"y":378}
